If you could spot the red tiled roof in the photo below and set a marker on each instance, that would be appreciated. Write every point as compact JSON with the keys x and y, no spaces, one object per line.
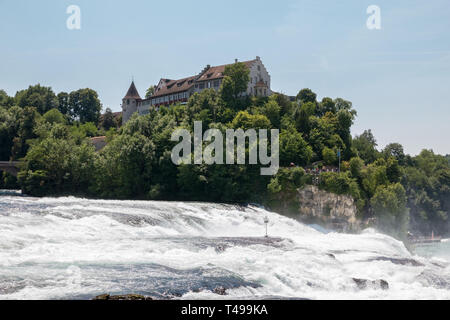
{"x":101,"y":138}
{"x":98,"y":142}
{"x":217,"y":72}
{"x":132,"y":92}
{"x":176,"y":86}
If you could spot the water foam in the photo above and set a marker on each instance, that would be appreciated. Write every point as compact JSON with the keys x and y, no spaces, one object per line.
{"x":62,"y":248}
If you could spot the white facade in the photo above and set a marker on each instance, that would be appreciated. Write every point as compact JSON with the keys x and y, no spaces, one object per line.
{"x":259,"y":74}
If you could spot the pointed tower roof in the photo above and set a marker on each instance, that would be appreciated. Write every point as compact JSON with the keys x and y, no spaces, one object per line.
{"x":132,"y":92}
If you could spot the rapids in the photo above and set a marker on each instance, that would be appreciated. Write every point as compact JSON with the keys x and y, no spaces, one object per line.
{"x":71,"y":248}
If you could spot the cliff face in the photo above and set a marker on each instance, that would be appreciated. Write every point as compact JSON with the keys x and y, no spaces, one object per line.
{"x":337,"y":212}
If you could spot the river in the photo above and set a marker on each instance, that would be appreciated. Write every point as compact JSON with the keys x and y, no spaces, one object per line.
{"x":71,"y":248}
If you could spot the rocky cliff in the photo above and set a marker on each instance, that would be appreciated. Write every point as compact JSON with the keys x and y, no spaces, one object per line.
{"x":337,"y":212}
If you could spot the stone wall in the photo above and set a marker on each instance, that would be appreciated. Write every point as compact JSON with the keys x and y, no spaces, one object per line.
{"x":337,"y":212}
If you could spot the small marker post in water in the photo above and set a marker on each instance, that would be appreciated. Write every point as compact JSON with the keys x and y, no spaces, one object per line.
{"x":266,"y":221}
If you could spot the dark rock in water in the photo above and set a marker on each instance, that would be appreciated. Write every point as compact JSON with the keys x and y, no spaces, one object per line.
{"x":221,"y":291}
{"x":364,"y":284}
{"x":383,"y":284}
{"x":400,"y":261}
{"x":125,"y":297}
{"x":429,"y":278}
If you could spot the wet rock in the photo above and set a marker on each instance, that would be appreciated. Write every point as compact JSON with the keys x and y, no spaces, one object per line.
{"x":400,"y":261}
{"x":221,"y":291}
{"x":336,"y":212}
{"x":377,"y":284}
{"x":429,"y":278}
{"x":125,"y":297}
{"x":221,"y":248}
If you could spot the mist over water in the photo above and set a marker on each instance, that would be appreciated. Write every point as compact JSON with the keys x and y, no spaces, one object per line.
{"x":70,"y":248}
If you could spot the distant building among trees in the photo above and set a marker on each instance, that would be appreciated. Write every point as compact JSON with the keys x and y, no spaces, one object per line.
{"x":169,"y":91}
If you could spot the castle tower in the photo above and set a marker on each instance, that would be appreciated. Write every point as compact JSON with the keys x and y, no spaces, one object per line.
{"x":130,"y":103}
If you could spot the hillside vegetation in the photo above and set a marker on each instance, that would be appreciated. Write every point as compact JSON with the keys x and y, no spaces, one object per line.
{"x":50,"y":133}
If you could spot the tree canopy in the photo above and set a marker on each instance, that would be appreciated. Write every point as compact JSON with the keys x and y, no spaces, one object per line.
{"x":52,"y":133}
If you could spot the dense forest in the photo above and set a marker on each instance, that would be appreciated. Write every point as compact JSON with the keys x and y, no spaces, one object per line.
{"x":50,"y":133}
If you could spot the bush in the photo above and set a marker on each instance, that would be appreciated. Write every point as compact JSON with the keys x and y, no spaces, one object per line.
{"x":293,"y":148}
{"x":339,"y":183}
{"x":283,"y":189}
{"x":36,"y":183}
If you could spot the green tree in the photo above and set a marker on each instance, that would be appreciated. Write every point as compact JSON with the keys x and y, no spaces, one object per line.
{"x":26,"y":121}
{"x":327,"y":105}
{"x":293,"y":148}
{"x":234,"y":84}
{"x":108,"y":120}
{"x":85,"y":106}
{"x":302,"y":117}
{"x":57,"y":165}
{"x":245,"y":121}
{"x":5,"y":100}
{"x":365,"y":145}
{"x":395,"y":150}
{"x":393,"y":170}
{"x":356,"y":166}
{"x":272,"y":110}
{"x":306,"y":95}
{"x":286,"y":106}
{"x":54,"y":116}
{"x":124,"y":167}
{"x":42,"y":98}
{"x":336,"y":182}
{"x":389,"y":205}
{"x":203,"y":106}
{"x":283,"y":189}
{"x":329,"y":156}
{"x":64,"y":104}
{"x":150,"y":92}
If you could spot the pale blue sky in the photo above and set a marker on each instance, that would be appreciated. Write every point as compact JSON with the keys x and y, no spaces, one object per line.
{"x":398,"y":77}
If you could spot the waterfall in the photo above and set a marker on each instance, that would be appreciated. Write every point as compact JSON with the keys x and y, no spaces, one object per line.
{"x":71,"y":248}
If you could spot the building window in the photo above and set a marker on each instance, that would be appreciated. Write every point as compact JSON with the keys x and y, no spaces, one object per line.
{"x":202,"y":86}
{"x":128,"y":101}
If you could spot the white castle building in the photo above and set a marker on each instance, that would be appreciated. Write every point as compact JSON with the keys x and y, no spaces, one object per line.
{"x":169,"y":92}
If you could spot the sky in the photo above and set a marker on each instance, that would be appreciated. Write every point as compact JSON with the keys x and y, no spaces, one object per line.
{"x":398,"y":77}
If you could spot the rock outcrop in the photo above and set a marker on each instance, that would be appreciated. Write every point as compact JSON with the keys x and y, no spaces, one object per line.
{"x":337,"y":212}
{"x":363,"y":284}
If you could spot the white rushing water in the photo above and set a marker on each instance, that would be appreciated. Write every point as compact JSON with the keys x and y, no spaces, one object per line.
{"x":69,"y":248}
